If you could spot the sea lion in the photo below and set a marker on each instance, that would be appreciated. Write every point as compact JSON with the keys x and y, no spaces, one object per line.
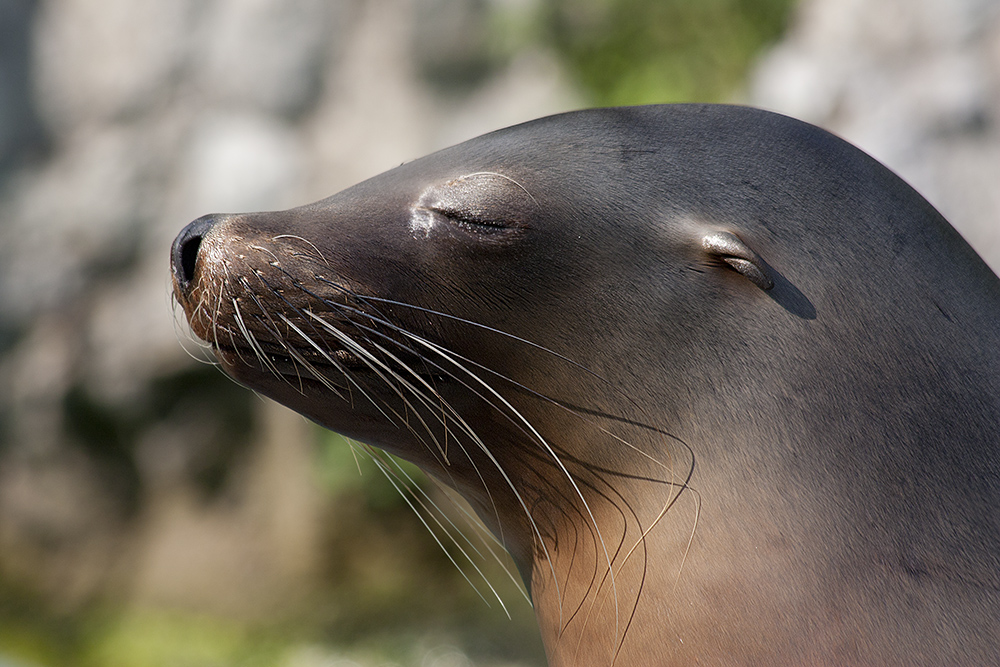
{"x":726,"y":388}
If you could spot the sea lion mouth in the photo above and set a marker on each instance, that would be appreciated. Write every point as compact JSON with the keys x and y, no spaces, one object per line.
{"x":291,"y":361}
{"x":328,"y":364}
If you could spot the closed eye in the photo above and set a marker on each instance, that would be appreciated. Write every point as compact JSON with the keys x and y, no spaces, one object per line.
{"x":475,"y":219}
{"x":484,"y":203}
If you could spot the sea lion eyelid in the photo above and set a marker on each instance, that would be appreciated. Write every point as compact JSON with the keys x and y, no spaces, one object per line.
{"x":484,"y":203}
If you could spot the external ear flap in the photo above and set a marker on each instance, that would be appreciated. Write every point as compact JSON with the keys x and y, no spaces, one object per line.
{"x":731,"y":250}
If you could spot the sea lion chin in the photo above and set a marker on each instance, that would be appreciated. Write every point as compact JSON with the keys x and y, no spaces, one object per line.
{"x":726,"y":388}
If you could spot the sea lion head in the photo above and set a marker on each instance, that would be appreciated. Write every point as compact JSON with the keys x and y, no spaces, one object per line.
{"x":482,"y":278}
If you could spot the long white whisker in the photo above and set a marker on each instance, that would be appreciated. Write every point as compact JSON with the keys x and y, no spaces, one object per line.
{"x":411,"y":485}
{"x":252,"y":341}
{"x":306,"y":241}
{"x":491,"y":371}
{"x":322,"y":378}
{"x":385,"y":350}
{"x":555,"y":457}
{"x":654,"y":460}
{"x":447,"y":407}
{"x":375,"y":364}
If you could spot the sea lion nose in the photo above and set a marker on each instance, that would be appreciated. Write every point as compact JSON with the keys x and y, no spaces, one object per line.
{"x":184,"y":252}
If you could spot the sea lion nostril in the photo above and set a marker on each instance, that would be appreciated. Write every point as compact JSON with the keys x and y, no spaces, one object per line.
{"x":184,"y":254}
{"x":189,"y":254}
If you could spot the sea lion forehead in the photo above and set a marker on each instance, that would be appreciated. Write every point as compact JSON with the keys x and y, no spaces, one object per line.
{"x":542,"y":143}
{"x":580,"y":146}
{"x":590,"y":150}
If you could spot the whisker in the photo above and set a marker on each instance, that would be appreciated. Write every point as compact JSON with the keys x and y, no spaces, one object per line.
{"x":456,"y":416}
{"x":487,"y":537}
{"x":252,"y":341}
{"x":507,"y":178}
{"x":462,"y":320}
{"x":322,"y":378}
{"x":186,"y":337}
{"x":410,"y":485}
{"x":678,"y":486}
{"x":402,"y":378}
{"x":383,"y":371}
{"x":306,"y":241}
{"x":555,"y":457}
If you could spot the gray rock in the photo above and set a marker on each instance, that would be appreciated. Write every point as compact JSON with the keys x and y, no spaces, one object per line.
{"x":79,"y":215}
{"x":265,"y":54}
{"x":20,"y":130}
{"x":102,"y":61}
{"x":240,"y":161}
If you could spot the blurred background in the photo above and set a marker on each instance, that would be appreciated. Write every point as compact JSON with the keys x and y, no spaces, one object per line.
{"x":154,"y":513}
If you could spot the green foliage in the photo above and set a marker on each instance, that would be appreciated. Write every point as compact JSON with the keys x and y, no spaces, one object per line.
{"x":619,"y":52}
{"x":159,"y":638}
{"x":30,"y":633}
{"x":110,"y":635}
{"x":652,"y":51}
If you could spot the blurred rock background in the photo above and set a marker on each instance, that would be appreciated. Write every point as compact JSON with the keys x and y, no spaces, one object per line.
{"x":154,"y":513}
